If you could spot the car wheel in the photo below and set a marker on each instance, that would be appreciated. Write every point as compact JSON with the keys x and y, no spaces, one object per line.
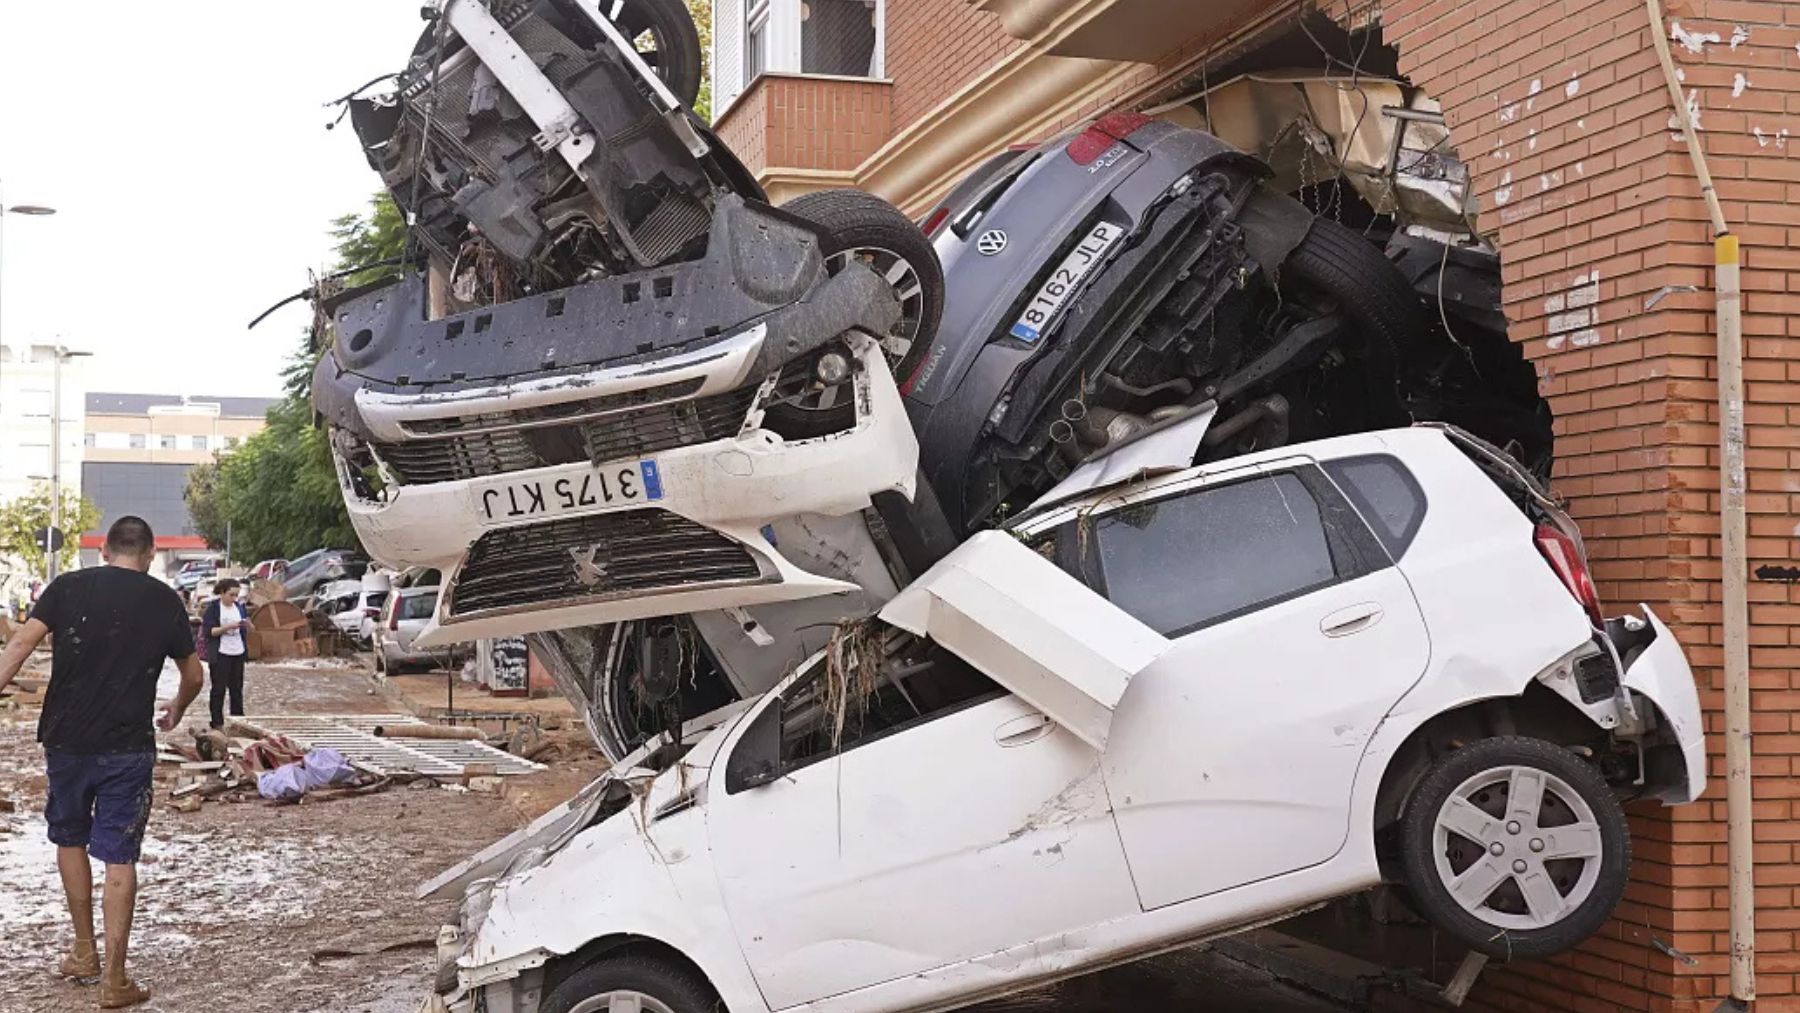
{"x":1515,"y":846}
{"x":864,"y":227}
{"x":1353,"y":276}
{"x":631,"y":983}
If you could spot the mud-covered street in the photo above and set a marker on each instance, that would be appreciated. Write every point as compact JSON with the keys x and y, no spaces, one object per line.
{"x":240,"y":902}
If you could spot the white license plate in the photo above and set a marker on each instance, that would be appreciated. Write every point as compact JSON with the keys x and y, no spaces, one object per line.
{"x":613,"y":487}
{"x":1041,"y":312}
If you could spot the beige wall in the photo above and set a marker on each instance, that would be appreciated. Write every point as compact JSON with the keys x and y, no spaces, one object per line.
{"x":104,"y":434}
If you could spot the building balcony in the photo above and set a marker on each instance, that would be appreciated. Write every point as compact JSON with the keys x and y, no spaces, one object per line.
{"x":804,"y":132}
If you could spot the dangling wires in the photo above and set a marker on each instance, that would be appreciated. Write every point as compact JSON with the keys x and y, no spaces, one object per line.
{"x":437,"y":69}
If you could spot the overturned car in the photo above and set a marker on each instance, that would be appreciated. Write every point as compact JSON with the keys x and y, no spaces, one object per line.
{"x":620,"y":366}
{"x":1052,"y":752}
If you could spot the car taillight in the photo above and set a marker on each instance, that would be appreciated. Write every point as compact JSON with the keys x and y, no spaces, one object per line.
{"x":935,"y":224}
{"x":1564,"y":556}
{"x":394,"y":619}
{"x":1103,"y":134}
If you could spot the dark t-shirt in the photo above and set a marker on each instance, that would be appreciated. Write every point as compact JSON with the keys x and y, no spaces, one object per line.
{"x":113,"y":627}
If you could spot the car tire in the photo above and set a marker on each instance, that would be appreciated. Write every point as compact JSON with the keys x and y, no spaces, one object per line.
{"x":1469,"y":882}
{"x":863,"y":226}
{"x":661,"y":987}
{"x":1338,"y":263}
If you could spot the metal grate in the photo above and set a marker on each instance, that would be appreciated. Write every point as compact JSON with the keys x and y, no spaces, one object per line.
{"x":619,"y":435}
{"x":596,"y":556}
{"x":354,"y":736}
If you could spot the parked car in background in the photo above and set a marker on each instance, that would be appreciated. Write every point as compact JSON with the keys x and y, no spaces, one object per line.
{"x":310,"y":573}
{"x":193,"y":572}
{"x":354,"y":608}
{"x":1160,"y":709}
{"x":269,"y":569}
{"x":405,"y":614}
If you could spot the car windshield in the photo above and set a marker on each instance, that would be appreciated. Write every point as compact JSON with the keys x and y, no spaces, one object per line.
{"x":376,"y":599}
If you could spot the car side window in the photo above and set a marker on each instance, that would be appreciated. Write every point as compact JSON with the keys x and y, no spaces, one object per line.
{"x":1386,"y":494}
{"x":832,"y":710}
{"x":1190,"y":560}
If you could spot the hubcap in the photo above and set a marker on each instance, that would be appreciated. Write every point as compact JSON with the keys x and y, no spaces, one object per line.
{"x":1534,"y":883}
{"x":904,"y":280}
{"x":623,"y":1001}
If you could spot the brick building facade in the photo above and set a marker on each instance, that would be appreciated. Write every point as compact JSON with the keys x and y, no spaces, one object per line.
{"x":1560,"y":109}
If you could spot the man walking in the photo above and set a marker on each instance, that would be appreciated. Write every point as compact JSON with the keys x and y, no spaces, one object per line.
{"x":113,"y":627}
{"x":225,"y":623}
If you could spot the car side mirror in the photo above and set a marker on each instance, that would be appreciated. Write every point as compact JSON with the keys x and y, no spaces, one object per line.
{"x":756,"y":759}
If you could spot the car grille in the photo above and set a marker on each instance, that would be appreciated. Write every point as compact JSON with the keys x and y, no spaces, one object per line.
{"x":549,"y":414}
{"x":633,"y":551}
{"x":638,"y":432}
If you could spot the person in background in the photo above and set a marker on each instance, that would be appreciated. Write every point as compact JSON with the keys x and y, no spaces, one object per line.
{"x":114,"y":625}
{"x":225,"y":621}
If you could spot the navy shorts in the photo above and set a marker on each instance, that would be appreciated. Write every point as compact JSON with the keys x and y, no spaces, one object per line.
{"x":100,"y":802}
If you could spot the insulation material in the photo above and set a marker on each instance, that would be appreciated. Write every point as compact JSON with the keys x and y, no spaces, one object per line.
{"x":1031,"y":628}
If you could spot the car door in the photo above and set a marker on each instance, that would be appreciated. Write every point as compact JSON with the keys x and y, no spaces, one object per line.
{"x":1233,"y":756}
{"x":970,"y":825}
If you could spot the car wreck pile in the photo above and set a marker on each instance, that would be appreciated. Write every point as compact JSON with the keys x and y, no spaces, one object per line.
{"x":946,"y":596}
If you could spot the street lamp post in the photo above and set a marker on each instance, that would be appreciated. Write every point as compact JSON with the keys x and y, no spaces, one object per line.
{"x":35,"y":210}
{"x":63,"y":355}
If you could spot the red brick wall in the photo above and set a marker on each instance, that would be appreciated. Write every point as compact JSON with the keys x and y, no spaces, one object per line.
{"x":808,"y":123}
{"x":1561,"y":108}
{"x":934,"y":47}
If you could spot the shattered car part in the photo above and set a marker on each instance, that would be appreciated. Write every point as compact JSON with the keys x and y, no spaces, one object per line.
{"x":461,"y":143}
{"x":1440,"y":636}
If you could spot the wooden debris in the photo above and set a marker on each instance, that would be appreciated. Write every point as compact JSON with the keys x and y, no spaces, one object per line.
{"x":187,"y":804}
{"x":422,"y":731}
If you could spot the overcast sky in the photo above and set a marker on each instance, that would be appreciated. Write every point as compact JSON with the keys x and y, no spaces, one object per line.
{"x":184,"y":147}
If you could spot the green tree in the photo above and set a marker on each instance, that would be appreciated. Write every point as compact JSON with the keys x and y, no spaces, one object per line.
{"x":279,"y":490}
{"x":203,"y":507}
{"x":23,"y":518}
{"x":702,"y":12}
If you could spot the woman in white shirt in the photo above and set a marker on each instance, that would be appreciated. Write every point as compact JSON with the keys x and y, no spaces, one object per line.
{"x":225,"y":622}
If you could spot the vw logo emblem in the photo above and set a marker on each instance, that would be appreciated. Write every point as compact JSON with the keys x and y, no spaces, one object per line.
{"x":992,"y":243}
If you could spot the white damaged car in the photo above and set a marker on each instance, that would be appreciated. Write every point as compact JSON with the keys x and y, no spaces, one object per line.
{"x":1163,"y":708}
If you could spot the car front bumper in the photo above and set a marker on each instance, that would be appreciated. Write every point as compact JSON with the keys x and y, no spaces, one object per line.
{"x":701,"y":545}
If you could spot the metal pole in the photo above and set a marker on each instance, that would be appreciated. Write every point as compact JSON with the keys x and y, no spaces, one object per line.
{"x":1740,"y":815}
{"x":50,"y":560}
{"x":228,"y":544}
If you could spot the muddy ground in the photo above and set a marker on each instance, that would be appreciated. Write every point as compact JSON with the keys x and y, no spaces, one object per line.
{"x":236,"y":899}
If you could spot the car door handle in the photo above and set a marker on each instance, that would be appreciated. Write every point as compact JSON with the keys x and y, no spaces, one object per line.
{"x":1023,"y":731}
{"x":1354,"y":619}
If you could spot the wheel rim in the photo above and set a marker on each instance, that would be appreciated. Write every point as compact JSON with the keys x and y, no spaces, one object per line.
{"x":1517,"y":847}
{"x":904,"y":279}
{"x":622,"y":1001}
{"x":639,"y":29}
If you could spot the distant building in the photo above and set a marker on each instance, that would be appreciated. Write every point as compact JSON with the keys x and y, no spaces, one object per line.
{"x":138,"y":450}
{"x":27,"y":391}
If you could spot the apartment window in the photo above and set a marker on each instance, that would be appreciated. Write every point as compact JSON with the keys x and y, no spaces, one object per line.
{"x":34,"y":404}
{"x":198,"y":443}
{"x":756,"y":41}
{"x":838,"y":37}
{"x":139,"y":441}
{"x":166,"y":442}
{"x":90,"y":440}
